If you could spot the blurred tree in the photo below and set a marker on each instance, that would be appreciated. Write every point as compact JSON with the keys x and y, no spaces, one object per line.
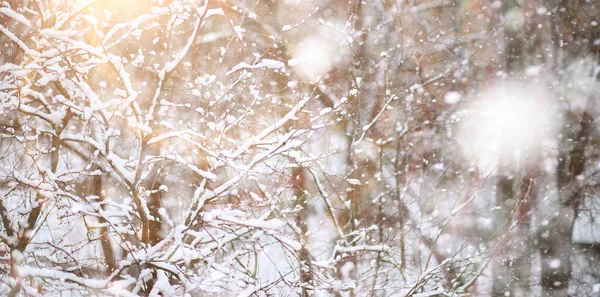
{"x":275,"y":148}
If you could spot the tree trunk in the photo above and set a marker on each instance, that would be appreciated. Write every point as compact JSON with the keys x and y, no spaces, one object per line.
{"x":556,"y":233}
{"x":501,"y":265}
{"x":305,"y":258}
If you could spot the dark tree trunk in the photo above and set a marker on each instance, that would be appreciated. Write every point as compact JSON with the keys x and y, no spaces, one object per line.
{"x":555,"y":236}
{"x":305,"y":258}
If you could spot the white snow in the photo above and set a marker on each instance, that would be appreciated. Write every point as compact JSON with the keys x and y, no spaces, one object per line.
{"x":452,"y":98}
{"x":15,"y":16}
{"x":353,"y":181}
{"x":554,"y":263}
{"x":264,"y":63}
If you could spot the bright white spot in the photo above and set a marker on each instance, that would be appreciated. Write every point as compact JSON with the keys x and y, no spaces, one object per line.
{"x":508,"y":123}
{"x":554,"y":263}
{"x":292,"y":84}
{"x":452,"y":98}
{"x":541,"y":10}
{"x":533,"y":71}
{"x":514,"y":19}
{"x":320,"y":51}
{"x":230,"y":119}
{"x":353,"y":181}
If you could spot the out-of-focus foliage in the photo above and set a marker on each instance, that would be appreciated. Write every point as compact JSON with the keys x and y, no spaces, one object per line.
{"x":310,"y":148}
